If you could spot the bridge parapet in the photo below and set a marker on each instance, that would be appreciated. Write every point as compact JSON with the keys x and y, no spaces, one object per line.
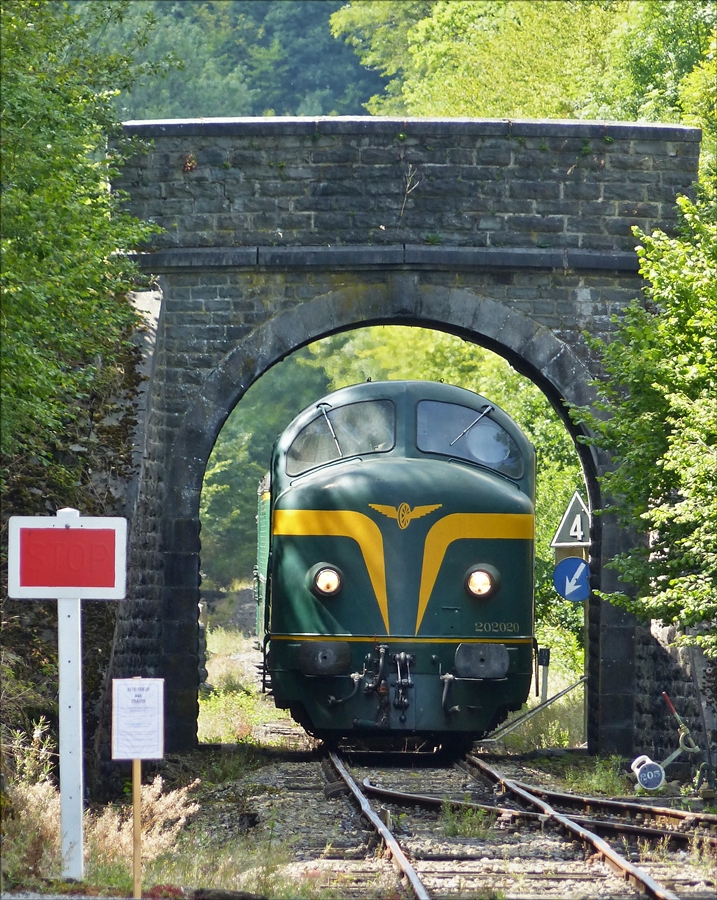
{"x":384,"y":181}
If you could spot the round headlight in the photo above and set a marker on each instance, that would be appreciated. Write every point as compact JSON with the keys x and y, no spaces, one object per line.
{"x":481,"y":581}
{"x":327,"y":581}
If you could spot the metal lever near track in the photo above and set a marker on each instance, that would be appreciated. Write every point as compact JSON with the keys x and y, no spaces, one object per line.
{"x":617,"y":863}
{"x":400,"y":858}
{"x":516,"y":723}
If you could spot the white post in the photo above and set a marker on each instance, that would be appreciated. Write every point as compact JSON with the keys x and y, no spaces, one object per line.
{"x":69,"y":655}
{"x":544,"y":662}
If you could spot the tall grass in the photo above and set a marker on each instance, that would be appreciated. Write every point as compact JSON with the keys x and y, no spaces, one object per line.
{"x":235,"y":705}
{"x":561,"y":724}
{"x":31,"y":825}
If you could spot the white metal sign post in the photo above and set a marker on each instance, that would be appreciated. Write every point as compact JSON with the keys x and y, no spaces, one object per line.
{"x":137,"y":734}
{"x":68,"y":558}
{"x":72,"y":787}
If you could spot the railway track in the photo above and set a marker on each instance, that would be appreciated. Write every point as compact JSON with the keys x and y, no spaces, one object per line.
{"x":522,"y":847}
{"x":610,"y":816}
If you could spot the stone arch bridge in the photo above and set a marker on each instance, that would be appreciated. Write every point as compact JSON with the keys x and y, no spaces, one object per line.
{"x":515,"y":235}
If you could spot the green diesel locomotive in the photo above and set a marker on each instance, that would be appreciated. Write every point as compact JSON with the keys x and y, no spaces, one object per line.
{"x":395,"y":565}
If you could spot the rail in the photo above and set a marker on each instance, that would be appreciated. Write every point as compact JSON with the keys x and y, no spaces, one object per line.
{"x":430,"y":801}
{"x":617,"y":863}
{"x":398,"y":855}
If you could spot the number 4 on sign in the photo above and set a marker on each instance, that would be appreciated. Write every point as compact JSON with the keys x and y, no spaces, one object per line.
{"x":574,"y":528}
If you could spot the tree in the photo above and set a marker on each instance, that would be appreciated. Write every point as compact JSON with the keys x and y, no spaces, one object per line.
{"x":379,"y":33}
{"x":68,"y":366}
{"x":652,"y":49}
{"x":461,"y":59}
{"x":606,"y":59}
{"x":242,"y":57}
{"x":657,"y":416}
{"x":65,"y":278}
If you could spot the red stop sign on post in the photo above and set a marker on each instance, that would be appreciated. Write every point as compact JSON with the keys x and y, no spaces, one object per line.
{"x":67,"y":557}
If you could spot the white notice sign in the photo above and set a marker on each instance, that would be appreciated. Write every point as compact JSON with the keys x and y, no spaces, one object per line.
{"x":137,"y":718}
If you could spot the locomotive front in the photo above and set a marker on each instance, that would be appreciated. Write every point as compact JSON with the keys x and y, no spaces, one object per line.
{"x":396,"y":564}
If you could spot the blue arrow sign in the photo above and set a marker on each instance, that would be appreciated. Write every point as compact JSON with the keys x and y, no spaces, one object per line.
{"x":571,"y":579}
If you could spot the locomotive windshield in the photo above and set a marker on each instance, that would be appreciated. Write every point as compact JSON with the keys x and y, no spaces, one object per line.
{"x":366,"y":427}
{"x":468,"y":434}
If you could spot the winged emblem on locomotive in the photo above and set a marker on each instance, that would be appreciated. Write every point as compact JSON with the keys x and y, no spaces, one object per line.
{"x":403,"y":513}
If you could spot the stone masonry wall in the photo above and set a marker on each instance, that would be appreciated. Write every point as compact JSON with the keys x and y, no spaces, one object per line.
{"x":335,"y":181}
{"x":515,"y":235}
{"x":679,"y":672}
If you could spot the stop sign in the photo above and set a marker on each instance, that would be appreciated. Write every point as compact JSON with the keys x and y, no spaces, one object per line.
{"x":67,"y":556}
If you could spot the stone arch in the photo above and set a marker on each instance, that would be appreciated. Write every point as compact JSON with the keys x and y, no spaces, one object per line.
{"x":519,"y":238}
{"x":529,"y":346}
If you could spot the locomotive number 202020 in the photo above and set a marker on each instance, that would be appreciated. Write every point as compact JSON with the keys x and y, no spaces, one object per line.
{"x":497,"y":627}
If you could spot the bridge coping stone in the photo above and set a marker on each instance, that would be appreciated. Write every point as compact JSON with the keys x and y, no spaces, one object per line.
{"x":391,"y":255}
{"x":304,"y":125}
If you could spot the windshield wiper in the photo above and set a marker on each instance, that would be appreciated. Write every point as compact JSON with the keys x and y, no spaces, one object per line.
{"x":323,"y":407}
{"x":488,"y":409}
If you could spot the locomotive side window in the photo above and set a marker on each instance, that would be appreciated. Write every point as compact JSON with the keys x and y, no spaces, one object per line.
{"x":468,"y":434}
{"x":367,"y":427}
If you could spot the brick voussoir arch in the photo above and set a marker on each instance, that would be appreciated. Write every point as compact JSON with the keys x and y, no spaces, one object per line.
{"x":542,"y":356}
{"x":532,"y":347}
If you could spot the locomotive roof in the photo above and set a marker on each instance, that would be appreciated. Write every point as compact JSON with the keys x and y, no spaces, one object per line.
{"x":301,"y":451}
{"x":414,"y":390}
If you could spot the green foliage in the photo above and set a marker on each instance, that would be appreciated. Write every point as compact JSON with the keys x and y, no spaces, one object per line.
{"x":604,"y":776}
{"x":460,"y":59}
{"x":463,"y":821}
{"x":63,"y":282}
{"x":239,"y":461}
{"x":68,"y":368}
{"x":657,"y":416}
{"x":228,"y":712}
{"x":242,"y":57}
{"x":537,"y":58}
{"x":379,"y":33}
{"x":567,"y":659}
{"x":698,"y":93}
{"x":653,"y":47}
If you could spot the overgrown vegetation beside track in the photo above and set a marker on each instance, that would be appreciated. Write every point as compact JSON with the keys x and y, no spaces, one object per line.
{"x":69,"y":377}
{"x":233,"y":704}
{"x":208,"y":815}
